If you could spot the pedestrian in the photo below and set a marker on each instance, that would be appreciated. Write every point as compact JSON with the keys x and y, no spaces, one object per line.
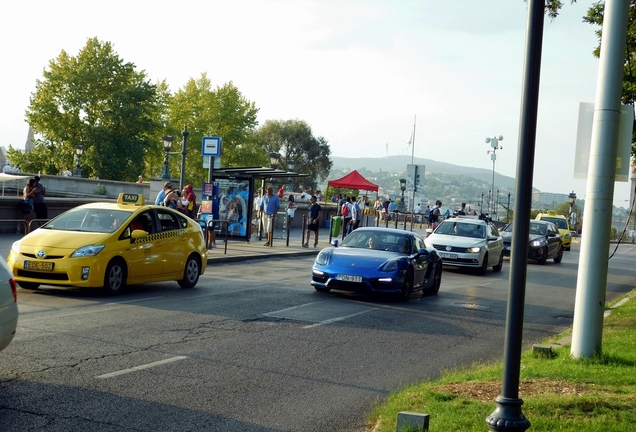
{"x":281,"y":192}
{"x":462,"y":211}
{"x":189,"y":201}
{"x":433,"y":219}
{"x":28,"y":194}
{"x":356,"y":214}
{"x":161,"y":196}
{"x":416,"y":211}
{"x":68,"y":173}
{"x":140,"y":179}
{"x":7,"y":168}
{"x":270,"y":207}
{"x":313,"y":211}
{"x":173,"y":200}
{"x":41,"y":211}
{"x":346,"y":211}
{"x":291,"y":211}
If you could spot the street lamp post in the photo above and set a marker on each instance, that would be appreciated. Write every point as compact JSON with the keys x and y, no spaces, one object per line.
{"x":274,"y":159}
{"x":291,"y":164}
{"x":402,"y":188}
{"x":79,"y":151}
{"x":497,"y":207}
{"x":494,"y":143}
{"x":185,"y":134}
{"x":481,"y":204}
{"x":508,"y":210}
{"x":572,"y":219}
{"x":165,"y":171}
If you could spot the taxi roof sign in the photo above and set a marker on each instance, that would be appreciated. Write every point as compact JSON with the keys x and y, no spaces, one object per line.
{"x":131,"y":199}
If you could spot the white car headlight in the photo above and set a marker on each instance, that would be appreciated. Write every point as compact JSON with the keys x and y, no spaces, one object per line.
{"x":86,"y":251}
{"x":15,"y":247}
{"x":474,"y":249}
{"x":323,"y":257}
{"x":536,"y":243}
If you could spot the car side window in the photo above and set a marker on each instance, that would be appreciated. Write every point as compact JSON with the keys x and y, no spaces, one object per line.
{"x":167,"y":220}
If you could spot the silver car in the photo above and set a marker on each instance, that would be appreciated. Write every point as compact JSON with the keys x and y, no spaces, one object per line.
{"x":8,"y":306}
{"x":466,"y":241}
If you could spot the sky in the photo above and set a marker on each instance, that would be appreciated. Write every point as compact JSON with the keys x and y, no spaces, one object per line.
{"x":364,"y":74}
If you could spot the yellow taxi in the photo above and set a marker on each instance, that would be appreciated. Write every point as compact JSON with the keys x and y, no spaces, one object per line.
{"x":562,"y":223}
{"x":109,"y":246}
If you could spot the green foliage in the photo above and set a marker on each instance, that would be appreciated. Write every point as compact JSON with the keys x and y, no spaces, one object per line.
{"x":224,"y":112}
{"x":295,"y":141}
{"x":100,"y":102}
{"x":100,"y":190}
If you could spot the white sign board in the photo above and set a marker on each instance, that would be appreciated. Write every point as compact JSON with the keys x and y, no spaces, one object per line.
{"x":211,"y":146}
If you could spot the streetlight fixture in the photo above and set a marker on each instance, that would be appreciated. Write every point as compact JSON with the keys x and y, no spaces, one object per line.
{"x":79,"y":151}
{"x":572,"y":218}
{"x":291,"y":164}
{"x":494,"y":143}
{"x":274,"y":160}
{"x":165,"y":171}
{"x":402,"y":188}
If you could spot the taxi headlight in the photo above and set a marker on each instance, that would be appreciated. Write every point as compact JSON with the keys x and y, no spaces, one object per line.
{"x":568,"y":235}
{"x":87,"y":251}
{"x":15,"y":247}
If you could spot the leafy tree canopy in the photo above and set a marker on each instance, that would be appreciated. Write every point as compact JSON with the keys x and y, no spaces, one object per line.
{"x":223,"y":112}
{"x":295,"y":141}
{"x":96,"y":100}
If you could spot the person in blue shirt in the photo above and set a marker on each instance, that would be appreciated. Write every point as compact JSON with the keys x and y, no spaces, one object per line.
{"x":269,"y":207}
{"x":161,"y":196}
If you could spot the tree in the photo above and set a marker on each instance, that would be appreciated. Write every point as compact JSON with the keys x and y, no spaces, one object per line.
{"x":295,"y":141}
{"x":223,"y":112}
{"x":98,"y":101}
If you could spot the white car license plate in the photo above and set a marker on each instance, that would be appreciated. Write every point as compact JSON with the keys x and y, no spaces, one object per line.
{"x":448,"y":255}
{"x":349,"y":278}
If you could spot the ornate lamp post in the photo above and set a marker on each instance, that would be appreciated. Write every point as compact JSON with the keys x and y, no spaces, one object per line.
{"x":185,"y":134}
{"x":274,"y":159}
{"x":494,"y":143}
{"x":572,"y":219}
{"x":291,"y":164}
{"x":79,"y":151}
{"x":402,"y":188}
{"x":165,"y":171}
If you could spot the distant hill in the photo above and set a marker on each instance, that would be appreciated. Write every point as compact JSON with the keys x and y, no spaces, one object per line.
{"x":397,"y":164}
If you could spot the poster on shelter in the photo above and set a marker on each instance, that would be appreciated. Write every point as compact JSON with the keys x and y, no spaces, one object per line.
{"x":233,"y":196}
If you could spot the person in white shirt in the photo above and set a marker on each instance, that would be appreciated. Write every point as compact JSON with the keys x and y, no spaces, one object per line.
{"x":7,"y":168}
{"x":417,"y":210}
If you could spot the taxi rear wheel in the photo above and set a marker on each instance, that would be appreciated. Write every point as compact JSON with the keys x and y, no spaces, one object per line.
{"x":191,"y":272}
{"x":115,"y":277}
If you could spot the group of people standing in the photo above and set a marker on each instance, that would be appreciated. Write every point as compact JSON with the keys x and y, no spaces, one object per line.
{"x":184,"y":201}
{"x":33,"y":194}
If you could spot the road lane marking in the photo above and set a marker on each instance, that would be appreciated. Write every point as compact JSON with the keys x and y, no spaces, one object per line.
{"x":332,"y":320}
{"x":137,"y":368}
{"x":131,"y":301}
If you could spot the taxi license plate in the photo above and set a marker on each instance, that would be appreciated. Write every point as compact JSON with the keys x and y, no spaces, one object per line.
{"x":349,"y":278}
{"x":38,"y":265}
{"x":448,"y":255}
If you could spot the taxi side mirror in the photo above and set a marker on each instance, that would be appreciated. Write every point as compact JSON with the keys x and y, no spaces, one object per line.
{"x":137,"y":234}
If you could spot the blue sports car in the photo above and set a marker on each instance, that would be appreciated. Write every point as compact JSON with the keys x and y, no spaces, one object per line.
{"x":378,"y":260}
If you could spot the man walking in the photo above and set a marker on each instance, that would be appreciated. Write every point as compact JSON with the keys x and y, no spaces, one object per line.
{"x":270,"y":207}
{"x":356,"y":214}
{"x":41,"y":211}
{"x":313,"y":211}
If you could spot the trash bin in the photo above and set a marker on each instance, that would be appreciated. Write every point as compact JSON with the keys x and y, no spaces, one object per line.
{"x":335,"y":228}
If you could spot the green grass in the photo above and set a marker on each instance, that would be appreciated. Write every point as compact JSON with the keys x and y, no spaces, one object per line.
{"x":559,"y":393}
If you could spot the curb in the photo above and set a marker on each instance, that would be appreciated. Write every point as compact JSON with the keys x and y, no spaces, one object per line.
{"x":239,"y":258}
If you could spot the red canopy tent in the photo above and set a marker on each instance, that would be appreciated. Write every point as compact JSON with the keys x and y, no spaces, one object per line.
{"x":353,"y":180}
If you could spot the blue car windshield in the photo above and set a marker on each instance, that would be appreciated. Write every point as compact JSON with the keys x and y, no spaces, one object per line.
{"x":89,"y":220}
{"x":379,"y":240}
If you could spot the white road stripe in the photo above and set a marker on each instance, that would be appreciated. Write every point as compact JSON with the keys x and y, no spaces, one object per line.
{"x":131,"y":301}
{"x":137,"y":368}
{"x":332,"y":320}
{"x":292,"y":308}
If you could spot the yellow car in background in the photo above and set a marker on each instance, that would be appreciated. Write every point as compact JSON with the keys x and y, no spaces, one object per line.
{"x":562,"y":223}
{"x":111,"y":245}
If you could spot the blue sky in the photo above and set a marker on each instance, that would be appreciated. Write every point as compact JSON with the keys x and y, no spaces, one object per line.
{"x":357,"y":71}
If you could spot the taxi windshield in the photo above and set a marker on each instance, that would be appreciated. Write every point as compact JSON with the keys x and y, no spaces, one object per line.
{"x":561,"y":223}
{"x":89,"y":220}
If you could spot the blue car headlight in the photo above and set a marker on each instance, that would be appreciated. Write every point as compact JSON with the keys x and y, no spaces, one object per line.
{"x":537,"y":243}
{"x":390,"y":266}
{"x":323,"y":257}
{"x":87,"y":251}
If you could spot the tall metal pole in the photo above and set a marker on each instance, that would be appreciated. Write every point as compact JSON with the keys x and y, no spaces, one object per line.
{"x":508,"y":210}
{"x":591,"y":286}
{"x":508,"y":416}
{"x":412,"y":205}
{"x":185,"y":134}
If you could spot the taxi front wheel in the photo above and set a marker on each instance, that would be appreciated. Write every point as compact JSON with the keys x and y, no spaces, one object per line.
{"x":115,"y":277}
{"x":191,"y":272}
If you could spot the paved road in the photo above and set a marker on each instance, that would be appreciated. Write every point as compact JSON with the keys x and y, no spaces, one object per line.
{"x":241,"y":353}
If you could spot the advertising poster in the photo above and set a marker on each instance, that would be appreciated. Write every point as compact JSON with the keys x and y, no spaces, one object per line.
{"x":233,"y":196}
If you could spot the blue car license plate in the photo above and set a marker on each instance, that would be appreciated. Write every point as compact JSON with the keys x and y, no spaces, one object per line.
{"x":349,"y":278}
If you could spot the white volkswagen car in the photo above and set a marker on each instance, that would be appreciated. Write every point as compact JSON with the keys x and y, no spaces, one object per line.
{"x":8,"y":306}
{"x":466,"y":241}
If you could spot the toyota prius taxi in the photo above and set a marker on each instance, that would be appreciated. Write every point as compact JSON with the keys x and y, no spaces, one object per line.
{"x":109,"y":246}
